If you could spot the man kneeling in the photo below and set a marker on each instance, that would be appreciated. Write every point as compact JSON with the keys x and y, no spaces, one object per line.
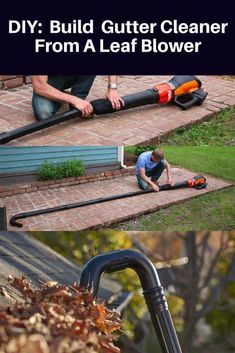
{"x":50,"y":91}
{"x":149,"y":167}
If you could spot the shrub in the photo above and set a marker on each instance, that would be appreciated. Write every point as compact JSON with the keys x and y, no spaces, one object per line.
{"x":70,"y":168}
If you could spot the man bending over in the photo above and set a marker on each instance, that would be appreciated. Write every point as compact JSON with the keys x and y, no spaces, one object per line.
{"x":149,"y":167}
{"x":48,"y":94}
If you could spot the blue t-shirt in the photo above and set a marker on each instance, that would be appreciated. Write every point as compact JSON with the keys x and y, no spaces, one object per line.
{"x":145,"y":161}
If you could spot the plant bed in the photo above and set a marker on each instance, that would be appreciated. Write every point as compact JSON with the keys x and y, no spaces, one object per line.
{"x":56,"y":319}
{"x":70,"y":168}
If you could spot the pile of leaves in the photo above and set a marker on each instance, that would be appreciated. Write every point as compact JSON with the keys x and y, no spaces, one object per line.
{"x":56,"y":319}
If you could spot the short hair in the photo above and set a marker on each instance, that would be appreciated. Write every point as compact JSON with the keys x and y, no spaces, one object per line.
{"x":159,"y":154}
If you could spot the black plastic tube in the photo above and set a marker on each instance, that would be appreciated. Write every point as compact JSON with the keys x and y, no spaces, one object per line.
{"x":13,"y":220}
{"x":152,"y":290}
{"x":100,"y":107}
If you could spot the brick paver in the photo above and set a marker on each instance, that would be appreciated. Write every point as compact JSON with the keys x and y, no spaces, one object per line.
{"x":95,"y":216}
{"x":139,"y":125}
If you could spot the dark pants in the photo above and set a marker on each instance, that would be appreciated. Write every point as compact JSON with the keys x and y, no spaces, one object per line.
{"x":80,"y":87}
{"x":154,"y":173}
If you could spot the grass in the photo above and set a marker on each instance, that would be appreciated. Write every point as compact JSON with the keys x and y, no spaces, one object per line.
{"x":218,"y":131}
{"x":217,"y":161}
{"x":213,"y":211}
{"x":130,"y":149}
{"x":204,"y":148}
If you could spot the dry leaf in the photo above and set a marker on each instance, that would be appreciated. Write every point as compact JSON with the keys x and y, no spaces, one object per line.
{"x":56,"y":319}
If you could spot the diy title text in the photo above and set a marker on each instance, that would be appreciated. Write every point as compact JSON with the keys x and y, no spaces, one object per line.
{"x":108,"y":27}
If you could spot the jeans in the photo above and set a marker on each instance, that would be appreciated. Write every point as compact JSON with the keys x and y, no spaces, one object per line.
{"x":155,"y":174}
{"x":80,"y":87}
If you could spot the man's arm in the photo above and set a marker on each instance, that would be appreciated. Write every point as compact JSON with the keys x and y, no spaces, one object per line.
{"x":168,"y":173}
{"x":148,"y":180}
{"x":44,"y":89}
{"x":112,"y":93}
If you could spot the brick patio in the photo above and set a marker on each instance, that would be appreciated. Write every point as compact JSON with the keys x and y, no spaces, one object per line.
{"x":96,"y":216}
{"x":137,"y":126}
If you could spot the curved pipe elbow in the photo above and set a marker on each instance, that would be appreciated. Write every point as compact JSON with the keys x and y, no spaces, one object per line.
{"x":117,"y":261}
{"x":14,"y":223}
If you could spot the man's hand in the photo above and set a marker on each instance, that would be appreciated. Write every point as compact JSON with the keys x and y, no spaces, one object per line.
{"x":84,"y":106}
{"x":170,"y":181}
{"x":155,"y":187}
{"x":114,"y":98}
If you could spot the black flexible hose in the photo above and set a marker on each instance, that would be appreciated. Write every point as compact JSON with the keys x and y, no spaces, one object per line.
{"x":100,"y":107}
{"x":13,"y":220}
{"x":152,"y":290}
{"x":72,"y":205}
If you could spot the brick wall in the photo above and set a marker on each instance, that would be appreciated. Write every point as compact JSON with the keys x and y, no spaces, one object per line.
{"x":44,"y":185}
{"x":11,"y":81}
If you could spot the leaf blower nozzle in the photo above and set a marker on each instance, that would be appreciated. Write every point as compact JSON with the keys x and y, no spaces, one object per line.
{"x":152,"y":290}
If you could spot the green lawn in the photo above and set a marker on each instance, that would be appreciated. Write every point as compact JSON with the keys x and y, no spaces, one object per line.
{"x":214,"y":210}
{"x":218,"y":161}
{"x":219,"y":130}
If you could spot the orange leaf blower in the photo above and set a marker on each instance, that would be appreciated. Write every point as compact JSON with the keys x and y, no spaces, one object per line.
{"x":183,"y":91}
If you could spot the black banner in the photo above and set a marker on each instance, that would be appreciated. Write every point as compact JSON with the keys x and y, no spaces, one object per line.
{"x":147,"y":38}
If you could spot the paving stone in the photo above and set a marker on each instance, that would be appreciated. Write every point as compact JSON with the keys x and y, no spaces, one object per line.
{"x":136,"y":126}
{"x":95,"y":216}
